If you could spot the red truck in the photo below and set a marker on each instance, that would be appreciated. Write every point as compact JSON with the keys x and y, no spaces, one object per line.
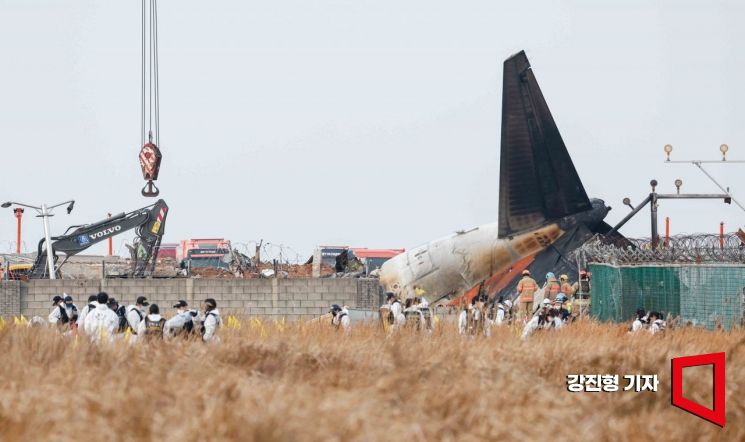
{"x":206,"y":253}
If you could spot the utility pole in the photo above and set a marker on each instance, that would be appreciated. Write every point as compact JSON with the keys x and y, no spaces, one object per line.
{"x":111,"y":243}
{"x":45,"y":214}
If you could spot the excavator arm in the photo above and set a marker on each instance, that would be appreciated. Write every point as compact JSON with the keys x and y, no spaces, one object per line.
{"x":148,"y":223}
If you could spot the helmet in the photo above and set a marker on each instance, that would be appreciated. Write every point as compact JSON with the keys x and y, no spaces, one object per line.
{"x":546,"y":302}
{"x":550,"y":275}
{"x":561,"y":297}
{"x":526,"y":272}
{"x":508,"y":303}
{"x":564,"y":277}
{"x":335,"y":308}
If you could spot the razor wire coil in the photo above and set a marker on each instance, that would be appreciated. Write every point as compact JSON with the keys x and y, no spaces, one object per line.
{"x":696,"y":249}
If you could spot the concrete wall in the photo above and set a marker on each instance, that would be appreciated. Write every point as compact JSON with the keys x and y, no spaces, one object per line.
{"x":290,"y":298}
{"x":10,"y":298}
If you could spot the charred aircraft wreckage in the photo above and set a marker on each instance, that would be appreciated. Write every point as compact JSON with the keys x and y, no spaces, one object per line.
{"x":544,"y":212}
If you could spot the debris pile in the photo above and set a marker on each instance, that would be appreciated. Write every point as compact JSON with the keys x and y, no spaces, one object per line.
{"x":267,"y":270}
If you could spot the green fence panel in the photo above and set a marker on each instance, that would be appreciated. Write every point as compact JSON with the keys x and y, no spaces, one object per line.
{"x":709,"y":295}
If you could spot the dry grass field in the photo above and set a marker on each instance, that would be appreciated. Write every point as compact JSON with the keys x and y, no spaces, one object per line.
{"x":304,"y":382}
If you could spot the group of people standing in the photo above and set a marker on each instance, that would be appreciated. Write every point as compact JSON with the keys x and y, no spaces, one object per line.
{"x":652,"y":322}
{"x":103,"y":319}
{"x":528,"y":288}
{"x":413,"y":313}
{"x":540,"y":307}
{"x":479,"y":316}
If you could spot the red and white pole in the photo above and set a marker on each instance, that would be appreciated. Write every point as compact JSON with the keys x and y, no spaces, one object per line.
{"x":19,"y":214}
{"x":667,"y":231}
{"x":721,"y":235}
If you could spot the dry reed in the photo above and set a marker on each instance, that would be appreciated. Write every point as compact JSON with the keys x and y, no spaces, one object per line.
{"x":298,"y":382}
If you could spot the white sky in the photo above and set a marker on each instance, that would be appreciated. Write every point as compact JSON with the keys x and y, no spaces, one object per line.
{"x":368,"y":123}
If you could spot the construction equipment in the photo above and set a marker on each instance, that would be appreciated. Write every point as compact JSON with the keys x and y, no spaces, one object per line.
{"x":18,"y":271}
{"x":148,"y":223}
{"x":150,"y":156}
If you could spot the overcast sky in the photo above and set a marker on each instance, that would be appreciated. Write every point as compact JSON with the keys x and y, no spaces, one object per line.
{"x":367,"y":123}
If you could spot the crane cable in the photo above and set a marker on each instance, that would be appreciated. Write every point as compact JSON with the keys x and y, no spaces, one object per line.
{"x":150,"y":85}
{"x":150,"y":155}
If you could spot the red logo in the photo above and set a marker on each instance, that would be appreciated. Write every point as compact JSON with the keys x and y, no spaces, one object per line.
{"x":717,"y":415}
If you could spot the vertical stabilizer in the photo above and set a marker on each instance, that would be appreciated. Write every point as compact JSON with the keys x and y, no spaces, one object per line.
{"x":537,"y":179}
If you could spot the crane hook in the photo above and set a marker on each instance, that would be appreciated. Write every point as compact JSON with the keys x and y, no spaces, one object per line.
{"x":150,"y":190}
{"x":150,"y":158}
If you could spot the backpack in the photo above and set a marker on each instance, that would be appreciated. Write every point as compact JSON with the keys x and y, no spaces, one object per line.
{"x":391,"y":319}
{"x":337,"y":320}
{"x":64,"y":319}
{"x":204,"y":329}
{"x":188,"y":328}
{"x":126,"y":321}
{"x":154,"y":329}
{"x":121,"y":313}
{"x":189,"y":324}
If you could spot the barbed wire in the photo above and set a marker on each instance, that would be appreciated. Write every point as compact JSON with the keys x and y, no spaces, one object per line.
{"x":271,"y":251}
{"x":702,"y":248}
{"x":10,"y":246}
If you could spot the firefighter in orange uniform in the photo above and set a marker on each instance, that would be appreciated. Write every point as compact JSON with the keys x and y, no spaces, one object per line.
{"x":566,"y":288}
{"x":526,"y":288}
{"x":568,"y":291}
{"x":552,"y":287}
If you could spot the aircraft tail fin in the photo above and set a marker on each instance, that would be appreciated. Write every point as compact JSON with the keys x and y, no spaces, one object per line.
{"x":537,"y":179}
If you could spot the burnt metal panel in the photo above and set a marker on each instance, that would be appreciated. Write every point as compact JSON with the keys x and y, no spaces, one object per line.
{"x":538,"y":182}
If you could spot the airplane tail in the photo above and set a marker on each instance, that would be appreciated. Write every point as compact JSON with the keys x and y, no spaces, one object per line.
{"x":537,"y":179}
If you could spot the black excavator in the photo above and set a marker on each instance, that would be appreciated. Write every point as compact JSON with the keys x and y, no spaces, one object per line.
{"x":148,"y":222}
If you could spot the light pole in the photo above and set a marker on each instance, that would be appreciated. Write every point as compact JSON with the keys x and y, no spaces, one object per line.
{"x":45,"y":212}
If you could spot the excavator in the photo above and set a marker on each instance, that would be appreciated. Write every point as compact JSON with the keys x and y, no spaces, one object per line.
{"x":147,"y":222}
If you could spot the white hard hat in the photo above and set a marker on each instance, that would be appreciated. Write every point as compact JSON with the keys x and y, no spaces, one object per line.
{"x":546,"y":301}
{"x":508,"y":303}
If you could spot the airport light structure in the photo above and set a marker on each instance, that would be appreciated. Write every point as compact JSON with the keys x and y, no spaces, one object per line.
{"x":723,"y":148}
{"x":44,"y":212}
{"x":654,"y":196}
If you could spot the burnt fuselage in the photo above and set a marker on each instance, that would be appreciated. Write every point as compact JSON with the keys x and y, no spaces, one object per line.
{"x":452,"y":265}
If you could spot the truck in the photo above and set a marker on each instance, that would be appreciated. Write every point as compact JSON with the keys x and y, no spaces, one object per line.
{"x":204,"y":253}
